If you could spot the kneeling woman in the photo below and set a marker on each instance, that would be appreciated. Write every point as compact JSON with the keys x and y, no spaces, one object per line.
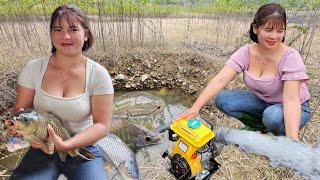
{"x":273,"y":71}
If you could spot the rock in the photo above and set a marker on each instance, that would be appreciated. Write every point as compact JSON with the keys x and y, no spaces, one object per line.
{"x":149,"y":64}
{"x":121,"y":77}
{"x":144,"y":77}
{"x":127,"y":86}
{"x":130,"y":70}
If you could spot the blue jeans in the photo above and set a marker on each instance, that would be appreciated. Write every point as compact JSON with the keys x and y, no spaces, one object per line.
{"x":239,"y":104}
{"x":37,"y":165}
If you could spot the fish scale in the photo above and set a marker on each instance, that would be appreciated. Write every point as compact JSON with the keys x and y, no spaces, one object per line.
{"x":42,"y":133}
{"x":34,"y":125}
{"x":120,"y":157}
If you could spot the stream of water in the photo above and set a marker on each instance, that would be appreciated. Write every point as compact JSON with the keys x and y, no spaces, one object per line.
{"x":281,"y":151}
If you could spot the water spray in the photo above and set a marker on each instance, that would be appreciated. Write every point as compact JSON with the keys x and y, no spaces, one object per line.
{"x":281,"y":151}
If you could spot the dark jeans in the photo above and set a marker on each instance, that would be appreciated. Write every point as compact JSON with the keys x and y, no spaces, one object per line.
{"x":244,"y":104}
{"x":37,"y":165}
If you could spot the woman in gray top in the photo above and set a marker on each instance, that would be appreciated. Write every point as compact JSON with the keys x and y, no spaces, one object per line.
{"x":73,"y":87}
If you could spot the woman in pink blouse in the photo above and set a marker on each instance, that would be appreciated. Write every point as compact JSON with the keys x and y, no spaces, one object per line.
{"x":275,"y":74}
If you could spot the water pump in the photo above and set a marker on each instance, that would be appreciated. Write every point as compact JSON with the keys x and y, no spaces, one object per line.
{"x":193,"y":153}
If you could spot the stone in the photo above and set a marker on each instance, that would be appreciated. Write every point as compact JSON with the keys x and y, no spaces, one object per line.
{"x":121,"y":77}
{"x":144,"y":77}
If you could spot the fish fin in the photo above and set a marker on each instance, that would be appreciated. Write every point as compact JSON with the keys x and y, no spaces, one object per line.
{"x":118,"y":171}
{"x":130,"y":164}
{"x":50,"y":146}
{"x":83,"y":154}
{"x":46,"y":147}
{"x":86,"y":153}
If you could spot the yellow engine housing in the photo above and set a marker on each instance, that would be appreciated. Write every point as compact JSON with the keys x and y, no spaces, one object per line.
{"x":189,"y":141}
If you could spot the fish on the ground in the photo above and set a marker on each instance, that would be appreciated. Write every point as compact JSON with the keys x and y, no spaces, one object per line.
{"x":134,"y":135}
{"x":135,"y":104}
{"x":33,"y":126}
{"x":123,"y":163}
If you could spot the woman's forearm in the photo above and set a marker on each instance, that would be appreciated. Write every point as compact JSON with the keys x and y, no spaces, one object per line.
{"x":215,"y":85}
{"x":102,"y":115}
{"x":292,"y":108}
{"x":87,"y":136}
{"x":292,"y":115}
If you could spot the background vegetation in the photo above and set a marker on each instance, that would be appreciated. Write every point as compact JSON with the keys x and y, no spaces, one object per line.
{"x":41,"y":7}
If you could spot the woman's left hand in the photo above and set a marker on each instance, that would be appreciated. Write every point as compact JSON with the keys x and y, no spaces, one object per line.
{"x":59,"y":144}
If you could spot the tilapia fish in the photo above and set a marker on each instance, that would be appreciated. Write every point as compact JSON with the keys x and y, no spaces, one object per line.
{"x":33,"y":126}
{"x":134,"y":135}
{"x":123,"y":163}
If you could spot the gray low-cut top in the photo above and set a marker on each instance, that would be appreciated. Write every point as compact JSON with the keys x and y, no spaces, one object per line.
{"x":75,"y":111}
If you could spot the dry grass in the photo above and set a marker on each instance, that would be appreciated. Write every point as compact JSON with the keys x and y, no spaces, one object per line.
{"x":211,"y":38}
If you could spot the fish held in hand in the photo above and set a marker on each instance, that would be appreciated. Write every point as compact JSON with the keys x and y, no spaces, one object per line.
{"x":33,"y":126}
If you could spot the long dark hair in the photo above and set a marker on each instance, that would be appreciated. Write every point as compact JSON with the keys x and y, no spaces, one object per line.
{"x":72,"y":14}
{"x":273,"y":13}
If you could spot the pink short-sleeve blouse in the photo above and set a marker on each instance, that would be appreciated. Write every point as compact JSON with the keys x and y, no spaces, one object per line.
{"x":270,"y":89}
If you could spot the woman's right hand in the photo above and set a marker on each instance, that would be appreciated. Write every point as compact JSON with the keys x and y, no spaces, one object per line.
{"x":190,"y":113}
{"x":12,"y":132}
